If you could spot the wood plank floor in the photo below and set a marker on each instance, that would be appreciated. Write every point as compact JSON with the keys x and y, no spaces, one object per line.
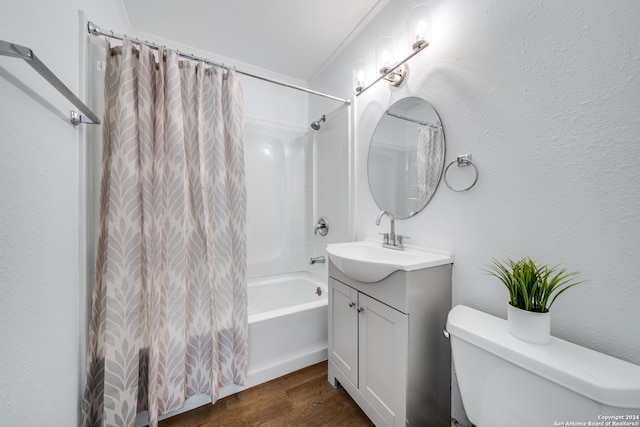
{"x":302,"y":398}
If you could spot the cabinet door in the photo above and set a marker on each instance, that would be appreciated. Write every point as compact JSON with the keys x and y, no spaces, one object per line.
{"x":383,"y":334}
{"x":343,"y":329}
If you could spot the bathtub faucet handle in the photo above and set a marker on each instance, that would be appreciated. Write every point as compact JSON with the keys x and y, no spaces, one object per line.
{"x":318,"y":259}
{"x":322,"y":227}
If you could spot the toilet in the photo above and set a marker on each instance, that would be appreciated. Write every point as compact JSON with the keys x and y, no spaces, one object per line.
{"x":505,"y":381}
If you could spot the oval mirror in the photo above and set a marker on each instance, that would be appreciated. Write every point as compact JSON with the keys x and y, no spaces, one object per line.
{"x":406,"y":157}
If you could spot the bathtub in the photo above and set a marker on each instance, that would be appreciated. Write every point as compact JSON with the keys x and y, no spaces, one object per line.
{"x":287,"y":331}
{"x":287,"y":325}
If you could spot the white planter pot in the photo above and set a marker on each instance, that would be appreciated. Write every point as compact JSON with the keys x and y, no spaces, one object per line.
{"x":528,"y":325}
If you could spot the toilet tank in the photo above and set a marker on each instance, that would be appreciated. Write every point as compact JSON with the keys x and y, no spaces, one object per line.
{"x":505,"y":381}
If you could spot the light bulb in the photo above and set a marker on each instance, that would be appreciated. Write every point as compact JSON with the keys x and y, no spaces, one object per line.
{"x":385,"y":58}
{"x":385,"y":49}
{"x":359,"y":75}
{"x":420,"y":30}
{"x":418,"y":25}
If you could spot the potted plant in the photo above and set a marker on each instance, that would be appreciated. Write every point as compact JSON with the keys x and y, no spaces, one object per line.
{"x":532,"y":290}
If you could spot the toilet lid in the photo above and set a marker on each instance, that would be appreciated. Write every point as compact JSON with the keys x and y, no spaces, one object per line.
{"x":600,"y":377}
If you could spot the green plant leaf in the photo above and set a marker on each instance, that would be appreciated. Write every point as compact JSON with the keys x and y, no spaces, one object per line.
{"x":532,"y":287}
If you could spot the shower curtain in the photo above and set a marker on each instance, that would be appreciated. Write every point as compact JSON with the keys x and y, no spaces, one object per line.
{"x":429,"y":160}
{"x":169,"y":312}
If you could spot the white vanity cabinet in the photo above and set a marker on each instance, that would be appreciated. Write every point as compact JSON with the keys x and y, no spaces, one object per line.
{"x":369,"y":346}
{"x":386,"y":346}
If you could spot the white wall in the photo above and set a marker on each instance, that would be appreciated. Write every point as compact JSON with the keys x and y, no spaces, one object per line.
{"x":545,"y":95}
{"x":41,"y":279}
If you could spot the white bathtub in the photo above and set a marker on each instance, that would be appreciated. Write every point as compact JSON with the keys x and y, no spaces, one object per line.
{"x":287,"y":325}
{"x":287,"y":331}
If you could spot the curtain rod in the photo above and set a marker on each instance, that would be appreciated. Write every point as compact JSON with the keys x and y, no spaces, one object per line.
{"x":21,"y":52}
{"x":96,"y":31}
{"x":409,"y":119}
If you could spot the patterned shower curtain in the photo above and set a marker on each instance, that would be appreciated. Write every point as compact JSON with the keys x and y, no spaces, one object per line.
{"x":429,"y":161}
{"x":169,"y":313}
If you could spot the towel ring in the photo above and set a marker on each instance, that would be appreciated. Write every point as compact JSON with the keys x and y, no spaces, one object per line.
{"x":464,"y":160}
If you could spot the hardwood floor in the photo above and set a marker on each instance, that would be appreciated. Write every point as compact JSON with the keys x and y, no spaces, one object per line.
{"x":302,"y":398}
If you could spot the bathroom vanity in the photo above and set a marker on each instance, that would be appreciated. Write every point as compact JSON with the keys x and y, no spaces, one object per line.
{"x":386,"y":346}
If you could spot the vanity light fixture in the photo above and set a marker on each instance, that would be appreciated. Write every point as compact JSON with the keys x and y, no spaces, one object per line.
{"x":418,"y":22}
{"x":392,"y":70}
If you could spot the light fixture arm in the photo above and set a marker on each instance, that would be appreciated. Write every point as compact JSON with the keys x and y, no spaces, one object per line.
{"x":394,"y":68}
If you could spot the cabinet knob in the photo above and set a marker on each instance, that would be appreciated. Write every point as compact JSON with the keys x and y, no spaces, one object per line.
{"x":360,"y":309}
{"x":352,"y":304}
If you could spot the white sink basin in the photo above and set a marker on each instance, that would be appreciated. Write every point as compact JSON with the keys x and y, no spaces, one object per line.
{"x":369,"y":262}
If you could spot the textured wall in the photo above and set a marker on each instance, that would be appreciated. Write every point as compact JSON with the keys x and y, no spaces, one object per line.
{"x":545,"y":95}
{"x":40,"y":274}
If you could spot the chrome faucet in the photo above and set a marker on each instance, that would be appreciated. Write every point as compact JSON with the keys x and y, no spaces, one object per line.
{"x":392,"y":235}
{"x":318,"y":259}
{"x":391,"y":240}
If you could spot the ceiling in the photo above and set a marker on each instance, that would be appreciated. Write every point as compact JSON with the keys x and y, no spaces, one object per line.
{"x":291,"y":37}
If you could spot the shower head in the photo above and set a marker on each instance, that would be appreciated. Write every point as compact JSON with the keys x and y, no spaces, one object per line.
{"x":316,"y":125}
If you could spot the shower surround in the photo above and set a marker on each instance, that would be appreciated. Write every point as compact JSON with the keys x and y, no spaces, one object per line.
{"x":278,"y":197}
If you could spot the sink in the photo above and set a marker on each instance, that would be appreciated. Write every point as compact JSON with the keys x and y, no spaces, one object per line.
{"x":367,"y":261}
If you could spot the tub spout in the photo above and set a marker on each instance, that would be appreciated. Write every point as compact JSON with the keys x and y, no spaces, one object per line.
{"x":318,"y":259}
